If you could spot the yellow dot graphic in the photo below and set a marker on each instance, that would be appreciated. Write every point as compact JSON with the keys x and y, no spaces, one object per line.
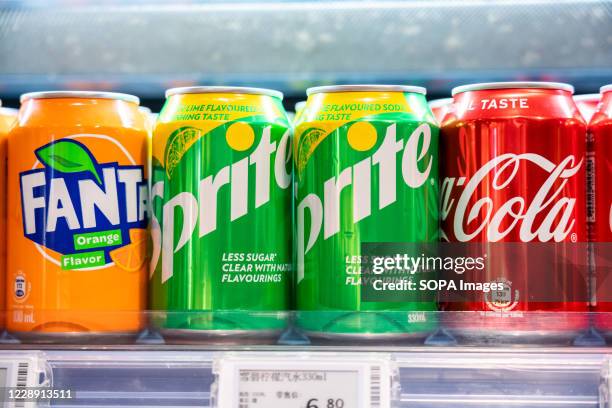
{"x":362,"y":136}
{"x":240,"y":136}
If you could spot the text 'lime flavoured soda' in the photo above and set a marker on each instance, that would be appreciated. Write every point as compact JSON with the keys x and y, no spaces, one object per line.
{"x":77,"y":215}
{"x":366,"y":169}
{"x":221,"y":196}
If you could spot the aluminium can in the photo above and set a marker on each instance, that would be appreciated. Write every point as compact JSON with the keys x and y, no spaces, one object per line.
{"x":366,"y":172}
{"x":600,"y":209}
{"x":298,"y":109}
{"x":587,"y":105}
{"x":513,"y":175}
{"x":440,"y":107}
{"x":8,"y":118}
{"x":77,"y":216}
{"x":221,"y":225}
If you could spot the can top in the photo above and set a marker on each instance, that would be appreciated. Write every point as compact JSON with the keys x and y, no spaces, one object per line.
{"x":144,"y":109}
{"x":436,"y":103}
{"x":366,"y":88}
{"x":512,"y":85}
{"x":300,"y":105}
{"x":9,"y":111}
{"x":224,"y":89}
{"x":79,"y":94}
{"x":605,"y":88}
{"x":586,"y":97}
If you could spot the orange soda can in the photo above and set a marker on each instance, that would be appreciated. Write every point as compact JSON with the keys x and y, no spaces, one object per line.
{"x":77,"y":216}
{"x":7,"y":119}
{"x":8,"y":116}
{"x":148,"y":117}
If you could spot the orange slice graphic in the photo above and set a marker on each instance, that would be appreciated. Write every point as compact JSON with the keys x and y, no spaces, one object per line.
{"x":132,"y":257}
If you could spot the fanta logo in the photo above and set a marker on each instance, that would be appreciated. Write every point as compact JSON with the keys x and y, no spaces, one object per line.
{"x":79,"y":207}
{"x":201,"y":208}
{"x":325,"y":211}
{"x":497,"y":221}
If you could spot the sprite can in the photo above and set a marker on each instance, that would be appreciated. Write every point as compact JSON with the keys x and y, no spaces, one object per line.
{"x":221,"y":222}
{"x":299,"y":108}
{"x":366,"y":161}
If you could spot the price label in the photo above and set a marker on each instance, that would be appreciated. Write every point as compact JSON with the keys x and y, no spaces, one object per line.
{"x":304,"y":382}
{"x":605,"y":384}
{"x":24,"y":375}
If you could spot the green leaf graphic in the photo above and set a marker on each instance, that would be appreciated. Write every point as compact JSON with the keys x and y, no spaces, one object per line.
{"x":68,"y":156}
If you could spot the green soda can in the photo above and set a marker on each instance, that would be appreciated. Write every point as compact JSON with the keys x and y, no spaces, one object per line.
{"x":366,"y":169}
{"x":221,"y":225}
{"x":299,"y":108}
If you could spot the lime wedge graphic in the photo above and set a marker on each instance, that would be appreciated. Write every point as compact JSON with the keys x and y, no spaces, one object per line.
{"x":179,"y":141}
{"x":306,"y":145}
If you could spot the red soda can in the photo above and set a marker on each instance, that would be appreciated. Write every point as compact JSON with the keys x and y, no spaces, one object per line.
{"x":440,"y":107}
{"x":513,"y":187}
{"x":587,"y":105}
{"x":600,"y":209}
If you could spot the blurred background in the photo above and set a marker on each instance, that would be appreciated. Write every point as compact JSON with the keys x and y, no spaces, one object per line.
{"x":143,"y":47}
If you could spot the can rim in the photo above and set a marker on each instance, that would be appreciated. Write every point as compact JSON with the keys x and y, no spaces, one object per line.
{"x":605,"y":88}
{"x":436,"y":103}
{"x":366,"y":88}
{"x":224,"y":89}
{"x":299,"y":105}
{"x":512,"y":85}
{"x":586,"y":97}
{"x":145,"y":109}
{"x":10,"y":111}
{"x":80,"y":94}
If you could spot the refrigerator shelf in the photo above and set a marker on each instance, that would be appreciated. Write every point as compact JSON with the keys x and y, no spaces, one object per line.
{"x":147,"y":46}
{"x":402,"y":328}
{"x":183,"y":375}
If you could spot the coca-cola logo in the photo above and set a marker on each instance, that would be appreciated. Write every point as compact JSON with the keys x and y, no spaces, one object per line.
{"x":475,"y":214}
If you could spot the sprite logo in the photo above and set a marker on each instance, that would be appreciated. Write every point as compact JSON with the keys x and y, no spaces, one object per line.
{"x":82,"y":209}
{"x":324,"y":212}
{"x":188,"y":213}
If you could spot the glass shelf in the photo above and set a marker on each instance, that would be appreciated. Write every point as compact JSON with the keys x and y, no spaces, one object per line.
{"x":147,"y":46}
{"x":290,"y":328}
{"x":440,"y":377}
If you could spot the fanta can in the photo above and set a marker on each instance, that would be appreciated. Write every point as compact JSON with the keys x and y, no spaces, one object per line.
{"x":77,"y":216}
{"x":149,"y":121}
{"x":8,"y":117}
{"x":148,"y":117}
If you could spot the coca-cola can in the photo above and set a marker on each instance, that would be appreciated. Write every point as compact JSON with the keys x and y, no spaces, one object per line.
{"x":600,"y":210}
{"x":440,"y":107}
{"x":513,"y":193}
{"x":587,"y":105}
